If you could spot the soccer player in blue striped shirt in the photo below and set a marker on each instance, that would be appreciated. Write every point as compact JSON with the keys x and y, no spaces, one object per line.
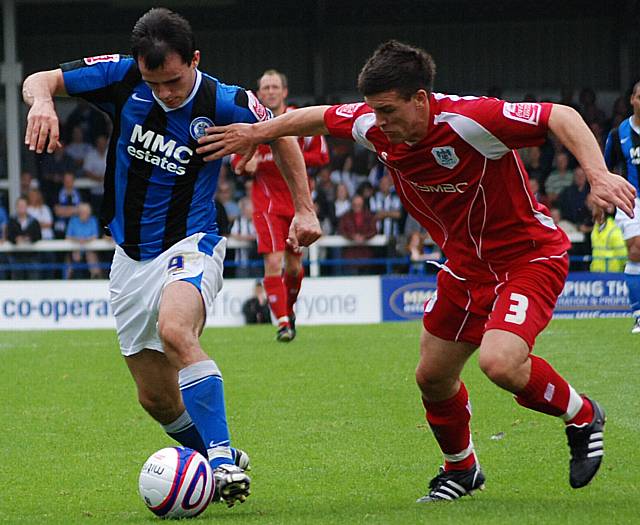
{"x":159,"y":209}
{"x":623,"y":149}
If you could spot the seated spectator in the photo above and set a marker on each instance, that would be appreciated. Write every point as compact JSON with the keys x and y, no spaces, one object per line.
{"x":42,"y":213}
{"x":82,"y":229}
{"x":532,"y":159}
{"x":256,"y":309}
{"x":620,"y":112}
{"x":573,"y":200}
{"x":560,"y":178}
{"x":608,"y":247}
{"x":93,"y":168}
{"x":342,"y":203}
{"x":23,"y":229}
{"x":358,"y":225}
{"x":91,"y":121}
{"x":78,"y":148}
{"x":27,"y":182}
{"x":534,"y":186}
{"x":567,"y":226}
{"x":387,"y":207}
{"x":224,"y":194}
{"x":66,"y":205}
{"x":243,"y":229}
{"x":346,"y":175}
{"x":52,"y":169}
{"x":589,"y":108}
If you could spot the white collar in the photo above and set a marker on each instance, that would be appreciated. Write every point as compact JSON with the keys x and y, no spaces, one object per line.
{"x":196,"y":85}
{"x":635,"y":127}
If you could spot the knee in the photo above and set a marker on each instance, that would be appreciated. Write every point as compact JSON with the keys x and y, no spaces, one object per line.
{"x":433,"y":384}
{"x":174,"y":337}
{"x":496,"y":364}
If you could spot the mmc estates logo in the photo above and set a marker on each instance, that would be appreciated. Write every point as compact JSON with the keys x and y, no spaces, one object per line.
{"x":405,"y":297}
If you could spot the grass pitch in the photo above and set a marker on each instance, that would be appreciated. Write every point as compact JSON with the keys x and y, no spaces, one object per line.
{"x":333,"y":424}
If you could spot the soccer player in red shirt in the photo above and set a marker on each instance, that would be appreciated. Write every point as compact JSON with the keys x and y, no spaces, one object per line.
{"x":455,"y":166}
{"x":273,"y":210}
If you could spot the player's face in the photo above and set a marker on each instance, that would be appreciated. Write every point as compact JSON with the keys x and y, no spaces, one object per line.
{"x":635,"y":102}
{"x":399,"y":119}
{"x":173,"y":81}
{"x":272,"y":93}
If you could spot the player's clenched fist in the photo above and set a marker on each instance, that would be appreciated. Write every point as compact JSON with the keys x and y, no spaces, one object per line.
{"x":304,"y":230}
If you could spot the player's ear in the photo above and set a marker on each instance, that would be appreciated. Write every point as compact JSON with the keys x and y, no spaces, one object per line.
{"x":196,"y":58}
{"x":421,"y":98}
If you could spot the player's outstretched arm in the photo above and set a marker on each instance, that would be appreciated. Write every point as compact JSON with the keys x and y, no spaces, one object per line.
{"x":43,"y":125}
{"x":608,"y":190}
{"x":305,"y":227}
{"x":243,"y":138}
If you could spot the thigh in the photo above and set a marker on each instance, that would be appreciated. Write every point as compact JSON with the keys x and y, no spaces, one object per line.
{"x":182,"y":307}
{"x":525,"y":302}
{"x":441,"y":359}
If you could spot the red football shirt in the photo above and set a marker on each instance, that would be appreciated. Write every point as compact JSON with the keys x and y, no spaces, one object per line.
{"x":464,"y":182}
{"x":270,"y":193}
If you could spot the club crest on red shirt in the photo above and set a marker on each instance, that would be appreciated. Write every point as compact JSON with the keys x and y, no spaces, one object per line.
{"x":527,"y":112}
{"x":445,"y":156}
{"x":101,"y":58}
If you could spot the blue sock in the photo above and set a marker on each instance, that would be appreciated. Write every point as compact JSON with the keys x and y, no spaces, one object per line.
{"x":632,"y":278}
{"x":203,"y":396}
{"x":184,"y":432}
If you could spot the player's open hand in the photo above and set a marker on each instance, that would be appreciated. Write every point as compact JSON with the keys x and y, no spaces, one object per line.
{"x":220,"y":141}
{"x":43,"y":127}
{"x":304,"y":230}
{"x":609,"y":192}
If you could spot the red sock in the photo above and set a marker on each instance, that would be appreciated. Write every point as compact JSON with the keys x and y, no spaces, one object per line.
{"x":449,"y":421}
{"x":276,"y":294}
{"x":292,"y":284}
{"x":549,"y":393}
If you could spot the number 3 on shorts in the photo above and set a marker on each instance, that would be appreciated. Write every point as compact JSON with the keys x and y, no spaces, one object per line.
{"x":518,"y":309}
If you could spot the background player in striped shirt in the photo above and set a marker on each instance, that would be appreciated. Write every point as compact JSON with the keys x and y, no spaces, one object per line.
{"x":273,"y":210}
{"x":159,"y":208}
{"x":455,"y":166}
{"x":622,"y":150}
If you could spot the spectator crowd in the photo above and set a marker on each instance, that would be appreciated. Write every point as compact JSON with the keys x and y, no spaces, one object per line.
{"x":353,"y":195}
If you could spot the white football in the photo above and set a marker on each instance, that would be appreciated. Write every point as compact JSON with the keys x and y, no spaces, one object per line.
{"x":176,"y":482}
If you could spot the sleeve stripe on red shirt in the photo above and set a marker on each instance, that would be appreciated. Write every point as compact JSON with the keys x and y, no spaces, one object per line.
{"x":474,"y":134}
{"x":361,"y":127}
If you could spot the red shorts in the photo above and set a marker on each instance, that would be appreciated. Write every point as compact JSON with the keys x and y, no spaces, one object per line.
{"x":523,"y":304}
{"x":272,"y":231}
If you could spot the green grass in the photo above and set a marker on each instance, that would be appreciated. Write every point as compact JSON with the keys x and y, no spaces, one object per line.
{"x":333,"y":424}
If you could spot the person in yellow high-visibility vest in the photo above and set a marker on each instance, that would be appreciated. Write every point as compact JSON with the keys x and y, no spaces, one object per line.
{"x":608,"y":248}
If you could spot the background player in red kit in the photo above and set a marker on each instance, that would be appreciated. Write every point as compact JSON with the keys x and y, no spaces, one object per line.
{"x":454,"y":165}
{"x":273,"y":210}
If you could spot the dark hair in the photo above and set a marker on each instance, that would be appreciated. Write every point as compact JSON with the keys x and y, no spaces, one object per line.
{"x":397,"y":66}
{"x":635,"y":87}
{"x":159,"y":32}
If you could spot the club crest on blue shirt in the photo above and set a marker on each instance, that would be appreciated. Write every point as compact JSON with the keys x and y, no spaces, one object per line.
{"x":198,"y":126}
{"x":445,"y":156}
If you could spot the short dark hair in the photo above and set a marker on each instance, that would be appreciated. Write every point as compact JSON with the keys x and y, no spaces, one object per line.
{"x":159,"y":32}
{"x":635,"y":88}
{"x":275,"y":72}
{"x":397,"y":66}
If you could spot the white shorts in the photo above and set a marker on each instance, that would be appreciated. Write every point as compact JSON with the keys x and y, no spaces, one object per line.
{"x":135,"y":287}
{"x":630,"y":227}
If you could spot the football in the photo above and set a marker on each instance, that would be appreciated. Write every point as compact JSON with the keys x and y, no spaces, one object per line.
{"x":176,"y":482}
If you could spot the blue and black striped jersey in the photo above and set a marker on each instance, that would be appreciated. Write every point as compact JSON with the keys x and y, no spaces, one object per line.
{"x":158,"y":190}
{"x":623,"y":149}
